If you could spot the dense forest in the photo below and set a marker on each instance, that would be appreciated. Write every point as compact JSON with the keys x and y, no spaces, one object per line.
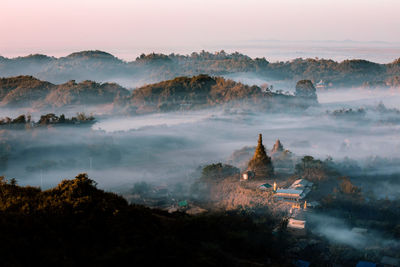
{"x":204,"y":91}
{"x":101,"y":66}
{"x":176,"y":94}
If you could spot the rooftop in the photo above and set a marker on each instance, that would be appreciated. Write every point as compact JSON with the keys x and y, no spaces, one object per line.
{"x":289,"y":191}
{"x":301,"y":183}
{"x":297,"y":224}
{"x":266,"y":185}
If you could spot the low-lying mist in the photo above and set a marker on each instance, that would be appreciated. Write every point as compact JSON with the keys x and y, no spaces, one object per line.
{"x":162,"y":148}
{"x":339,"y":231}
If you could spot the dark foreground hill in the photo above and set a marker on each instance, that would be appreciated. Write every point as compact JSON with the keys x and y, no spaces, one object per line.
{"x":76,"y":224}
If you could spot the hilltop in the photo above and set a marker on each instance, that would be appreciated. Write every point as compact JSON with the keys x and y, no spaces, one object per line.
{"x":182,"y":93}
{"x":102,"y":66}
{"x":28,"y":91}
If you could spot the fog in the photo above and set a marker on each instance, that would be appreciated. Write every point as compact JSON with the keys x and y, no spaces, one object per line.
{"x":339,"y":231}
{"x":357,"y":97}
{"x":164,"y":148}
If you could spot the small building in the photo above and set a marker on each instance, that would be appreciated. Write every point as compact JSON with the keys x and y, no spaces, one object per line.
{"x":301,"y":184}
{"x":320,"y":85}
{"x":182,"y":204}
{"x":296,"y":223}
{"x":291,"y":195}
{"x":296,"y":192}
{"x":265,"y":187}
{"x":247,"y":175}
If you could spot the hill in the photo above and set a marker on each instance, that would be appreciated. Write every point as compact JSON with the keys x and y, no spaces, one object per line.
{"x":22,"y":90}
{"x":84,"y":93}
{"x":102,"y":67}
{"x":184,"y":93}
{"x":76,"y":223}
{"x":27,"y":91}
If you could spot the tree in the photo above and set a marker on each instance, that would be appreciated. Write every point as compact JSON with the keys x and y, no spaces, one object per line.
{"x":20,"y":119}
{"x":347,"y":187}
{"x":305,"y":89}
{"x":62,"y":118}
{"x":218,"y":171}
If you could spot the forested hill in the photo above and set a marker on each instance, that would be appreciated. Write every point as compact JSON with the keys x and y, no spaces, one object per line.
{"x":182,"y":93}
{"x":27,"y":91}
{"x":101,"y":67}
{"x":203,"y":91}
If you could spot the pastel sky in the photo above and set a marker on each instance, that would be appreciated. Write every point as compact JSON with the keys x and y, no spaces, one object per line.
{"x":61,"y":26}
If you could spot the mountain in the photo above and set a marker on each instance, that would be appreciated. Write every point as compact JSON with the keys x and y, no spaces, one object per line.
{"x":151,"y":68}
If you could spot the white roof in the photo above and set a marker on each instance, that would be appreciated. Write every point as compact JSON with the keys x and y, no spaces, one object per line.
{"x":289,"y":191}
{"x":301,"y":183}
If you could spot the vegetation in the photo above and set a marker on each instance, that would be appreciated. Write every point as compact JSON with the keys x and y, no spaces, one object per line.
{"x":306,"y":89}
{"x":48,"y":119}
{"x":362,"y":209}
{"x":77,"y":224}
{"x":184,"y":93}
{"x":181,"y":93}
{"x":348,"y":113}
{"x":102,"y":66}
{"x":27,"y":91}
{"x":218,"y":171}
{"x":315,"y":170}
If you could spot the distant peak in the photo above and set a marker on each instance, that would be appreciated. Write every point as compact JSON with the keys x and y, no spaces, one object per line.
{"x":91,"y":54}
{"x":39,"y":56}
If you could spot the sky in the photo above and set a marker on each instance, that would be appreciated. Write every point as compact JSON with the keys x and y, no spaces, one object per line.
{"x":58,"y":27}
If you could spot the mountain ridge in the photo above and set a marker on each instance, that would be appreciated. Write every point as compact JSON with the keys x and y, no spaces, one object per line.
{"x":102,"y":66}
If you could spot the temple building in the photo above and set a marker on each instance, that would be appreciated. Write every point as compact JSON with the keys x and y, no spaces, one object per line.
{"x":296,"y":192}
